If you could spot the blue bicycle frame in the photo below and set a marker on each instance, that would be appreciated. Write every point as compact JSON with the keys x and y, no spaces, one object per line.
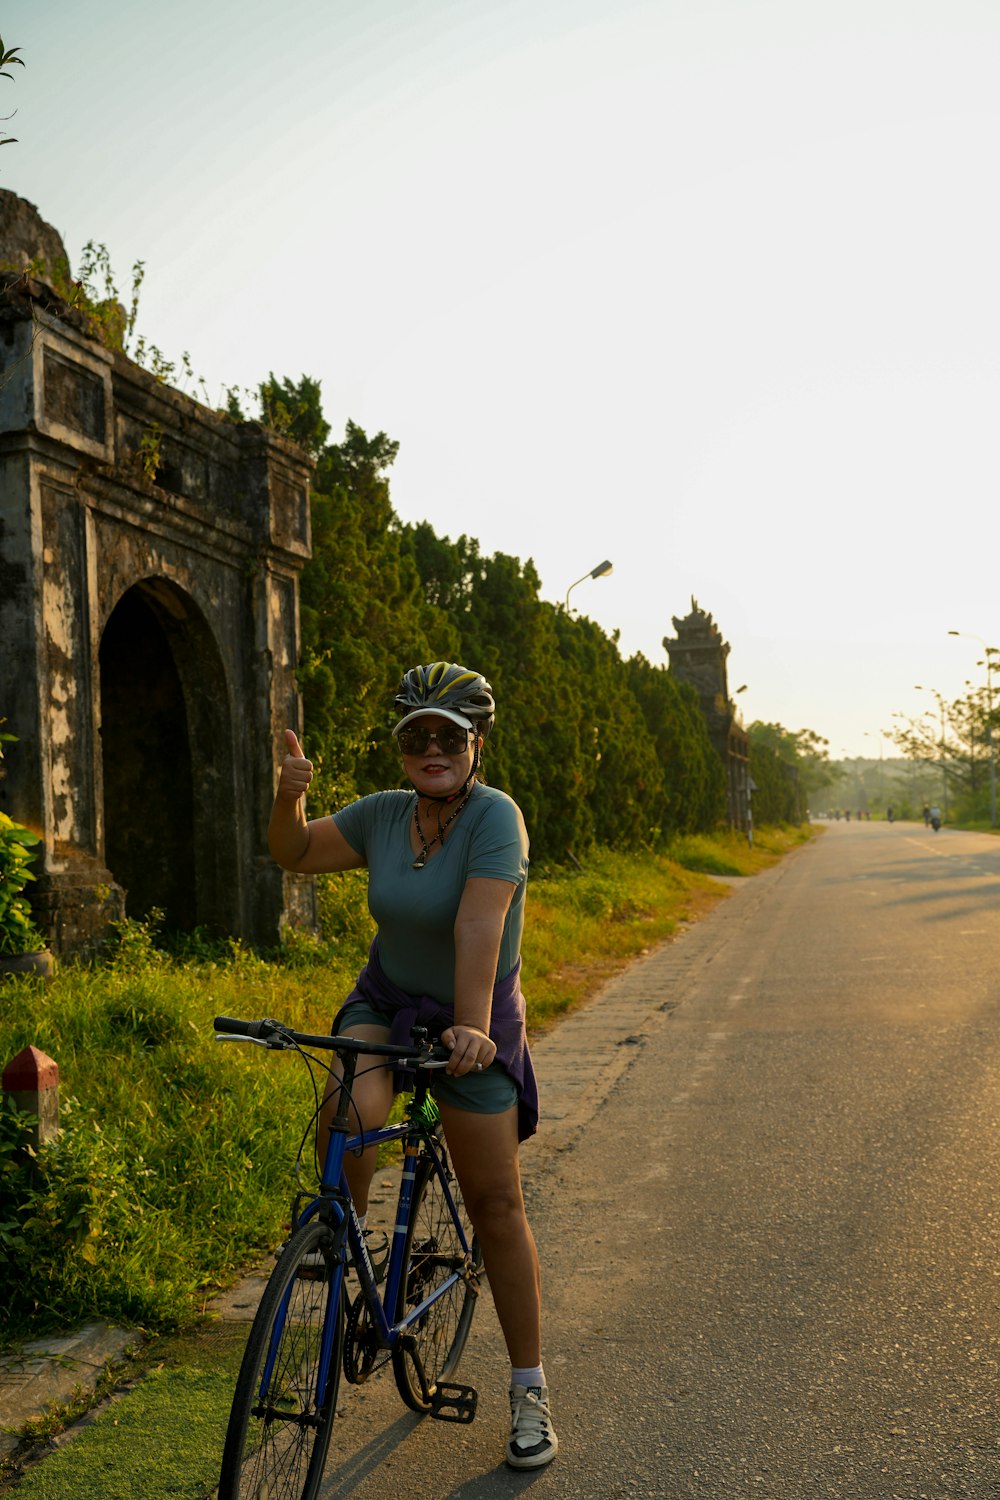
{"x":281,"y":1420}
{"x":336,"y":1205}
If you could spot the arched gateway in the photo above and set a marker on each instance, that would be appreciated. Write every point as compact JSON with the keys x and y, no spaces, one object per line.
{"x":149,"y":561}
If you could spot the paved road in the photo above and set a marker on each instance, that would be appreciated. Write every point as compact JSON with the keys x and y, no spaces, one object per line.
{"x":772,"y":1259}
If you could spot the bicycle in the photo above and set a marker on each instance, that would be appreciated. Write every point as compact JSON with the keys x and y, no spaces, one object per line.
{"x":308,"y":1331}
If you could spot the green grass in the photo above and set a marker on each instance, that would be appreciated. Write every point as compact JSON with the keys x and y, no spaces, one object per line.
{"x":731,"y":854}
{"x":164,"y":1438}
{"x":173,"y":1170}
{"x":582,"y":926}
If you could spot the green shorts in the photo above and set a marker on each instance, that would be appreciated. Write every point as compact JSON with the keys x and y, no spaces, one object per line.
{"x":490,"y":1092}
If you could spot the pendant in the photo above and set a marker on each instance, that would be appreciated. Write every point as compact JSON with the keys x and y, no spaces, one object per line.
{"x":420,"y":861}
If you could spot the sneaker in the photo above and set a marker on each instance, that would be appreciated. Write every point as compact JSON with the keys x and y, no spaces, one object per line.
{"x":532,"y":1440}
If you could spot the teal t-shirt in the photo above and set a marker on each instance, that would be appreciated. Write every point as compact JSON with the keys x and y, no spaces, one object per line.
{"x":415,"y":910}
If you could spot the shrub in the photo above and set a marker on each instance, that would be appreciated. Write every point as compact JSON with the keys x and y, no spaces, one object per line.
{"x":18,"y":933}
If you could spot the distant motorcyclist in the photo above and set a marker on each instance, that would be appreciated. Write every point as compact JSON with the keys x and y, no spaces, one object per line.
{"x":935,"y":817}
{"x":890,"y":815}
{"x":927,"y":816}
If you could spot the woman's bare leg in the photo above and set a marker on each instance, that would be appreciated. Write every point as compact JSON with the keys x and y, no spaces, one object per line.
{"x":484,"y":1153}
{"x":371,"y":1103}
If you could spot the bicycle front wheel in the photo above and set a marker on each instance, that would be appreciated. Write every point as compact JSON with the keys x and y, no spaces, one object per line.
{"x":286,"y":1394}
{"x":433,"y":1254}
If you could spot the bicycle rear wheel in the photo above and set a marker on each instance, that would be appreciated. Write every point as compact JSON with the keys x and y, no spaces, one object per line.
{"x":433,"y":1252}
{"x":281,"y":1421}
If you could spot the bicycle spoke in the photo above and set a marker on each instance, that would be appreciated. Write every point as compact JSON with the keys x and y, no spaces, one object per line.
{"x":283,"y":1410}
{"x":434,"y":1254}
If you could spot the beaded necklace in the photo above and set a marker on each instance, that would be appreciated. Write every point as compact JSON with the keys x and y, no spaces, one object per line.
{"x":425,"y":847}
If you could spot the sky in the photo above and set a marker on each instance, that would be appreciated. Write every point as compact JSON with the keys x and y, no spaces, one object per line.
{"x":709,"y":288}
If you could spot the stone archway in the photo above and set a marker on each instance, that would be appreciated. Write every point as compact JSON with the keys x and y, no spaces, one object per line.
{"x":167,"y":750}
{"x":149,"y":619}
{"x":146,"y":766}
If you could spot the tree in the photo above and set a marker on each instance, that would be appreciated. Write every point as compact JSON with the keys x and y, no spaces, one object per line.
{"x":804,"y":749}
{"x":363,"y":617}
{"x":294,"y":408}
{"x":693,"y":776}
{"x":8,"y":59}
{"x":789,"y":767}
{"x":593,"y":749}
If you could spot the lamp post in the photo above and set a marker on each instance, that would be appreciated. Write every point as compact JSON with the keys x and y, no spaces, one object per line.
{"x":944,"y":773}
{"x":988,"y":652}
{"x":601,"y":571}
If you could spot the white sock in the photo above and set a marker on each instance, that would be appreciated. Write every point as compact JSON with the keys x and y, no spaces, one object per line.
{"x":528,"y":1377}
{"x":363,"y":1222}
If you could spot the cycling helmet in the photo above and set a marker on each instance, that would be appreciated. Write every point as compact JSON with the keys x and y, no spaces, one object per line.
{"x":447,"y":689}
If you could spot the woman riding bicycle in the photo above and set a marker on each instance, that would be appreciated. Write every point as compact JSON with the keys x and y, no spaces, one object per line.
{"x":447,"y":870}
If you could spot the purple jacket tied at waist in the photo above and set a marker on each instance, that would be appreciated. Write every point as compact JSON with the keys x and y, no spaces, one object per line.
{"x":506,"y":1028}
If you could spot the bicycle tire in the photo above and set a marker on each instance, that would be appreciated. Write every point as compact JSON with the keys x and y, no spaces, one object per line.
{"x":432,"y":1251}
{"x":277,"y":1441}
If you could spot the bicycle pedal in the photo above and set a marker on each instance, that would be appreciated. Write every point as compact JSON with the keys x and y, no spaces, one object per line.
{"x":454,"y":1403}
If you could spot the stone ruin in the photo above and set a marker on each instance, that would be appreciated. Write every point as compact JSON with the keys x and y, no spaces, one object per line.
{"x":150,"y":551}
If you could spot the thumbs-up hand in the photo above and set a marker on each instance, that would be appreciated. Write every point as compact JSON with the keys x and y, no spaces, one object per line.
{"x":296,"y":771}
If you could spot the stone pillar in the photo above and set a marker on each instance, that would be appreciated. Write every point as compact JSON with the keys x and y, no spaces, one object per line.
{"x":31,"y":1081}
{"x":55,"y":417}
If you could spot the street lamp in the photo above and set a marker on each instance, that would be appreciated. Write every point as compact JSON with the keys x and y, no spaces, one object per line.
{"x":987,"y":662}
{"x":601,"y":571}
{"x":944,"y":774}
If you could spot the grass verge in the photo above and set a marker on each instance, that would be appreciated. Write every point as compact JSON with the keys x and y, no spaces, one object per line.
{"x":163,"y":1438}
{"x":173,"y":1170}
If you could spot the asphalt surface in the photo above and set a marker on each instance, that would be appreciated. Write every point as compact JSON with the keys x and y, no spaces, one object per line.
{"x":764,"y":1200}
{"x":771,"y":1258}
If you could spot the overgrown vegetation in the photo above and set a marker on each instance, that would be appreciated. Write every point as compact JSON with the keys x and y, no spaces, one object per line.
{"x":18,"y":933}
{"x":173,"y":1164}
{"x":94,"y":296}
{"x":173,"y":1168}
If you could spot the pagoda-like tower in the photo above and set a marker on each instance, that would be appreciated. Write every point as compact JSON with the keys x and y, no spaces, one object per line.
{"x":698,"y":655}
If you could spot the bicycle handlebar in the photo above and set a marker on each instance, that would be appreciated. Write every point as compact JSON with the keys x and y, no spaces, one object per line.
{"x":273,"y":1034}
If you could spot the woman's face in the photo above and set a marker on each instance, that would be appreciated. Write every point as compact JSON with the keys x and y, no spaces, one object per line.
{"x":435,"y":773}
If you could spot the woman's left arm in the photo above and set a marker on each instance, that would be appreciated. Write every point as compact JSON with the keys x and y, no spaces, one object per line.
{"x":478,"y":931}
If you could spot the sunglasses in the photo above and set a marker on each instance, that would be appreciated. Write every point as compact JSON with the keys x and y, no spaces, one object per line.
{"x":451,"y":740}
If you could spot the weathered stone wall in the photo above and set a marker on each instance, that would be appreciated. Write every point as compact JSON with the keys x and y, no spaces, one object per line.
{"x":149,"y":559}
{"x":24,"y":235}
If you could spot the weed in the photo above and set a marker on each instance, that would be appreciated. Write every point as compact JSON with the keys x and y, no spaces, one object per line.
{"x":149,"y":454}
